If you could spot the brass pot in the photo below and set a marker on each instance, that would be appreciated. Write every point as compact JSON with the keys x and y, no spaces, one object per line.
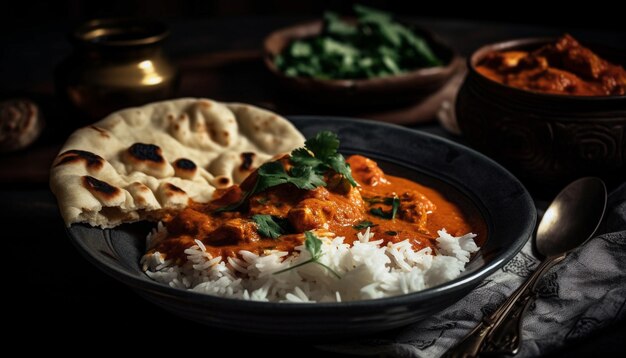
{"x":116,"y":63}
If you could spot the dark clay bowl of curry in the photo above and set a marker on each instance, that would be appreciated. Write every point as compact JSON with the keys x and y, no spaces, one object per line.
{"x":550,"y":109}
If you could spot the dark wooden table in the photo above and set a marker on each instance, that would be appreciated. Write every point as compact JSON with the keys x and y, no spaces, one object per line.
{"x":53,"y":290}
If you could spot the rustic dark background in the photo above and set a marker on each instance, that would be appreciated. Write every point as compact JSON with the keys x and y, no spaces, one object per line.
{"x":596,"y":14}
{"x":57,"y":292}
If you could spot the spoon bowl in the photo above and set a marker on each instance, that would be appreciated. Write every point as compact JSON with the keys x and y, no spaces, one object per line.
{"x":572,"y":218}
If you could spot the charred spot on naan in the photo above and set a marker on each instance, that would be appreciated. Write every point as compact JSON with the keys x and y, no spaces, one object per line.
{"x":91,"y":160}
{"x":146,"y":152}
{"x":185,"y":168}
{"x":174,"y":189}
{"x":102,"y":190}
{"x":148,"y":158}
{"x":221,"y":182}
{"x":247,"y":158}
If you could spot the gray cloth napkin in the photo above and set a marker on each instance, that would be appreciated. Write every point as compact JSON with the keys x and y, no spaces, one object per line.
{"x":584,"y":293}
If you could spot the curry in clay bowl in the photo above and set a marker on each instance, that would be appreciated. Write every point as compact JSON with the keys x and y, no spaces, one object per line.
{"x":551,"y":109}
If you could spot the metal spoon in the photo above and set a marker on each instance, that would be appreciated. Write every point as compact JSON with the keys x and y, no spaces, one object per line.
{"x":572,"y":219}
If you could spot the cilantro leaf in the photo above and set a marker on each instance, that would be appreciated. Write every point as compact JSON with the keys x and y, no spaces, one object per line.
{"x":374,"y":199}
{"x":269,"y":226}
{"x":321,"y":154}
{"x":379,"y":212}
{"x":305,"y":178}
{"x":364,"y":225}
{"x":269,"y":175}
{"x":334,"y":25}
{"x":395,"y":205}
{"x":366,"y":12}
{"x":314,"y":246}
{"x":273,"y":173}
{"x":338,"y":163}
{"x":307,"y":173}
{"x":323,"y":145}
{"x":233,"y":206}
{"x":389,"y":215}
{"x":302,"y":156}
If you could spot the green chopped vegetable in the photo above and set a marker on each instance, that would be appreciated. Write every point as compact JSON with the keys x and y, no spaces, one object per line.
{"x":270,"y":226}
{"x":318,"y":156}
{"x":375,"y":46}
{"x":273,"y":174}
{"x":314,"y":246}
{"x":320,"y":153}
{"x":374,"y":199}
{"x":364,"y":225}
{"x":391,"y":214}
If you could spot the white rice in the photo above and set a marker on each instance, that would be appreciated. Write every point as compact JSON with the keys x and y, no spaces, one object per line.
{"x":367,"y":269}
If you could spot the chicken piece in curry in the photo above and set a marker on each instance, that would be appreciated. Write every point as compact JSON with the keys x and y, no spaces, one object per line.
{"x":564,"y":67}
{"x":394,"y":208}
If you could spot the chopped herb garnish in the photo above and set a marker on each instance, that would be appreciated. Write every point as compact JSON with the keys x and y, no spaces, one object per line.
{"x":374,"y":200}
{"x":262,"y":201}
{"x":380,"y":212}
{"x":309,"y":165}
{"x":389,"y":215}
{"x":395,"y":205}
{"x":391,"y":233}
{"x":270,"y":226}
{"x":324,"y":145}
{"x":320,"y":153}
{"x":364,"y":225}
{"x":338,"y":163}
{"x":314,"y":246}
{"x":375,"y":46}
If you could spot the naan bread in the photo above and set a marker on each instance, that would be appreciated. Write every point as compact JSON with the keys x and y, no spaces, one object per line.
{"x":140,"y":162}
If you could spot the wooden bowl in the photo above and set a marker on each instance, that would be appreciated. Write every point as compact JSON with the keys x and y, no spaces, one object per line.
{"x":546,"y":139}
{"x":360,"y":93}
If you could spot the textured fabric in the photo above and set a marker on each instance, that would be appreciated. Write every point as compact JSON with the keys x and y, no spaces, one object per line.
{"x":584,"y":293}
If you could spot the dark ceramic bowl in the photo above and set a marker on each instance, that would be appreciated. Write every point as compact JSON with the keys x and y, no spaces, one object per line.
{"x":546,"y":138}
{"x":463,"y":174}
{"x":360,"y":93}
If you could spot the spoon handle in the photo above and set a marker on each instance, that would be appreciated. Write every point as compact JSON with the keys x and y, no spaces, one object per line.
{"x":505,"y":337}
{"x":474,"y":341}
{"x":471,"y":344}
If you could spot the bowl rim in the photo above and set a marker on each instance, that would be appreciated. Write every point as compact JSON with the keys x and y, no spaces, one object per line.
{"x":511,"y":44}
{"x":315,"y":26}
{"x":85,"y":33}
{"x":448,"y":287}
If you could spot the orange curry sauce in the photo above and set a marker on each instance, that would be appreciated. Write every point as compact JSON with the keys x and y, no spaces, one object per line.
{"x":335,"y":208}
{"x":565,"y":67}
